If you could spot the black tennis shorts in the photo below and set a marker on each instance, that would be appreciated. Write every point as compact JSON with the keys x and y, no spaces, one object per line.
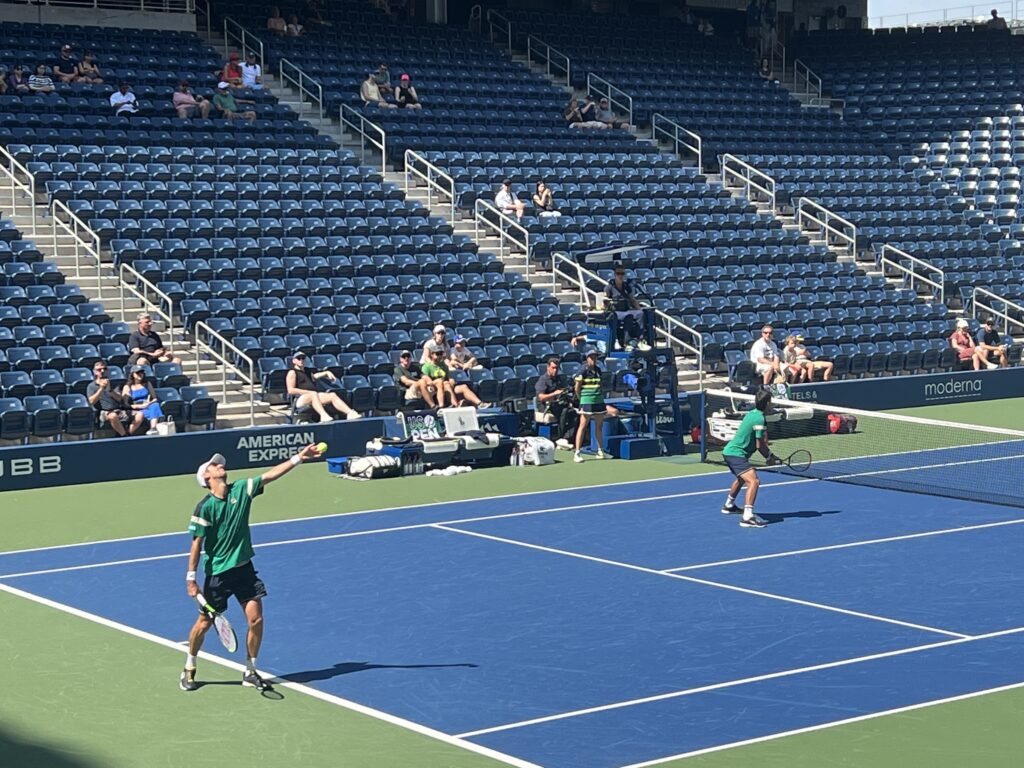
{"x":737,"y":464}
{"x":593,"y":409}
{"x":243,"y":582}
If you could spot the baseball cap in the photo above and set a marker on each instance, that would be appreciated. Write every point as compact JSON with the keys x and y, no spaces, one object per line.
{"x":459,"y":338}
{"x":222,"y":85}
{"x":137,"y":368}
{"x":66,"y":47}
{"x":961,"y":323}
{"x":232,"y":56}
{"x":799,"y":337}
{"x":298,"y":353}
{"x":593,"y":353}
{"x":405,"y":353}
{"x":217,"y":458}
{"x":440,"y":329}
{"x":405,"y":77}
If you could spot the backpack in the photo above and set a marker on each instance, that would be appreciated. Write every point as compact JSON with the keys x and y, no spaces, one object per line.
{"x":537,"y":451}
{"x":374,"y":467}
{"x":842,"y":423}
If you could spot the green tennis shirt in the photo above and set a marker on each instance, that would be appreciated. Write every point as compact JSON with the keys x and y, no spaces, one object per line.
{"x":744,"y":442}
{"x":223,"y":524}
{"x":590,"y":386}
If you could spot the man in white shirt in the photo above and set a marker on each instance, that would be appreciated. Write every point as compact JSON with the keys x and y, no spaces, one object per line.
{"x":460,"y":358}
{"x":764,"y":354}
{"x":123,"y":101}
{"x":507,"y":202}
{"x":252,"y":73}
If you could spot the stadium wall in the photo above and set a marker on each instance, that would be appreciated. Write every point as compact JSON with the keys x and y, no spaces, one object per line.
{"x":97,"y":17}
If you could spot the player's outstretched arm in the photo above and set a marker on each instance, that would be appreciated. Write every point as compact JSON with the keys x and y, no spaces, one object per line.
{"x":282,"y":469}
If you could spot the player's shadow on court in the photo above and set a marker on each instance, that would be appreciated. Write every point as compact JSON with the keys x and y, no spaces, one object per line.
{"x":348,"y":667}
{"x":781,"y":517}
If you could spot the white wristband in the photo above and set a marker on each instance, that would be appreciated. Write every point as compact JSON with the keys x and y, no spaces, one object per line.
{"x":190,"y":576}
{"x":296,"y":460}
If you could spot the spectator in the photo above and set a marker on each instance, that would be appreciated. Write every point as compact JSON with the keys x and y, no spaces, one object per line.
{"x":765,"y":68}
{"x":553,"y":405}
{"x":66,"y":68}
{"x":964,"y":345}
{"x":123,"y":101}
{"x":590,"y":396}
{"x":4,"y":79}
{"x":991,"y":345}
{"x":438,"y":376}
{"x":17,"y":82}
{"x":109,"y":406}
{"x":232,"y":71}
{"x":405,"y":94}
{"x":313,"y":14}
{"x":370,"y":93}
{"x":294,"y":28}
{"x":589,"y":110}
{"x":437,"y":341}
{"x":799,"y":365}
{"x":605,"y":116}
{"x":764,"y":354}
{"x":544,"y":201}
{"x":460,"y":358}
{"x":145,"y":345}
{"x":626,"y":314}
{"x":409,"y":375}
{"x":574,"y":117}
{"x":996,"y":22}
{"x":40,"y":82}
{"x":705,"y":28}
{"x":507,"y":202}
{"x":227,"y":105}
{"x":824,"y":366}
{"x":187,"y":104}
{"x":276,"y":22}
{"x":383,"y":79}
{"x":88,"y":70}
{"x":301,"y":386}
{"x":138,"y":394}
{"x":252,"y":73}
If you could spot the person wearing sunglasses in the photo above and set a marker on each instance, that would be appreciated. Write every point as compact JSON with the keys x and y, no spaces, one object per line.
{"x":109,"y":404}
{"x":765,"y":356}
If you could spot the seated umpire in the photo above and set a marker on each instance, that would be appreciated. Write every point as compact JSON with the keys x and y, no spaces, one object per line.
{"x":553,"y":405}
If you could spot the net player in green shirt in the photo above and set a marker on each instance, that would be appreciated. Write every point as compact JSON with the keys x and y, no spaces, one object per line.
{"x":751,"y":435}
{"x":220,"y":524}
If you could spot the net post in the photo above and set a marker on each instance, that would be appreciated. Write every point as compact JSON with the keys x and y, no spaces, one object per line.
{"x":703,"y":427}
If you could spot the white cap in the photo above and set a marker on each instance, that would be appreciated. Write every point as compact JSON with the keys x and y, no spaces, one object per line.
{"x":217,"y":458}
{"x":962,"y":323}
{"x":440,"y":329}
{"x":223,"y":84}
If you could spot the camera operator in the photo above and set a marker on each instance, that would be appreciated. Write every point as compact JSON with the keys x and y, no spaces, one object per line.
{"x":554,"y":404}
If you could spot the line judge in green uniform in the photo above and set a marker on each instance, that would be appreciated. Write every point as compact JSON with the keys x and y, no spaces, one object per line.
{"x":751,"y":435}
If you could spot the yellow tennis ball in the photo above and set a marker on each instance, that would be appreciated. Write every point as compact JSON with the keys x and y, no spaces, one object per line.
{"x":321,"y":447}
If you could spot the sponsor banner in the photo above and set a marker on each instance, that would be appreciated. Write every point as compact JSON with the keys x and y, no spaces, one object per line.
{"x":914,"y":391}
{"x":98,"y":461}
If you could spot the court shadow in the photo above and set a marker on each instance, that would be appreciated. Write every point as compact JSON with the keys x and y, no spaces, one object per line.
{"x":19,"y":751}
{"x":348,"y":667}
{"x":781,"y":517}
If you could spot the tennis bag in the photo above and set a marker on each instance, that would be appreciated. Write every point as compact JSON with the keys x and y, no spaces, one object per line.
{"x":537,"y":451}
{"x":375,"y":467}
{"x":842,"y":423}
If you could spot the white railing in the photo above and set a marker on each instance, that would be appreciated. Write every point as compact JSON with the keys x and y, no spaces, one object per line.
{"x":204,"y":17}
{"x":246,"y":40}
{"x":556,"y":64}
{"x":153,"y":299}
{"x":510,"y":231}
{"x":368,"y":132}
{"x":915,"y":273}
{"x":682,"y":140}
{"x":962,"y":14}
{"x":22,"y":181}
{"x":212,"y":344}
{"x":617,"y":98}
{"x":87,"y":242}
{"x":499,"y":29}
{"x":674,"y":332}
{"x":305,"y":84}
{"x":779,"y":59}
{"x":997,"y":306}
{"x":757,"y":185}
{"x":437,"y":181}
{"x":146,"y":6}
{"x":805,"y":81}
{"x":812,"y":216}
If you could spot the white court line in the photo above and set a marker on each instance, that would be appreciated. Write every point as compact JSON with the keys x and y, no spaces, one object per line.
{"x":705,"y":582}
{"x":734,"y":683}
{"x":823,"y":726}
{"x":830,"y":547}
{"x":299,"y":687}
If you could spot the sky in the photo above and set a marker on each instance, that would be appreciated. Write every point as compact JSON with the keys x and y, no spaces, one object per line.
{"x":931,"y":10}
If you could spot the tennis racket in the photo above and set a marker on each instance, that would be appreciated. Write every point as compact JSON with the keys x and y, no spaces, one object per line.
{"x":797,"y":461}
{"x":220,"y":622}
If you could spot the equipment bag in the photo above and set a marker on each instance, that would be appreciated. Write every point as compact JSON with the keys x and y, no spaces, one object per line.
{"x":842,"y":423}
{"x":375,"y":467}
{"x":537,"y":451}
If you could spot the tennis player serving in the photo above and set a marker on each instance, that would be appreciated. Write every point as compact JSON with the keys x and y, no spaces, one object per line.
{"x":221,"y":523}
{"x":751,"y":435}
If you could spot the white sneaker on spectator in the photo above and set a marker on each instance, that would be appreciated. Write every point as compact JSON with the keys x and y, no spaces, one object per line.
{"x":601,"y":454}
{"x":485,"y":405}
{"x":326,"y":420}
{"x":992,"y":366}
{"x":564,"y":444}
{"x":643,"y":346}
{"x":352,"y":415}
{"x":578,"y":458}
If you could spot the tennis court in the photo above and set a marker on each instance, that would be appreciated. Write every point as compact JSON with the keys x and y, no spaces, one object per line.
{"x":615,"y":625}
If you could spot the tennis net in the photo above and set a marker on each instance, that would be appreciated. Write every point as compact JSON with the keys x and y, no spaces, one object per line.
{"x":902,"y":453}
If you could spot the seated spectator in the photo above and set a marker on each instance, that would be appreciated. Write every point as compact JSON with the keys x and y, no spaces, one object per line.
{"x":232,"y":71}
{"x":252,"y":73}
{"x":574,"y":117}
{"x":553,"y":405}
{"x":40,"y":82}
{"x":409,"y":376}
{"x":405,"y":94}
{"x":383,"y":79}
{"x":605,"y":115}
{"x":4,"y":80}
{"x":370,"y":93}
{"x":187,"y":104}
{"x":991,"y":345}
{"x":799,"y":367}
{"x":997,"y":21}
{"x":508,"y":202}
{"x":227,"y":105}
{"x":109,"y":405}
{"x":145,"y":345}
{"x":301,"y":385}
{"x":123,"y":101}
{"x":66,"y":68}
{"x":435,"y":342}
{"x":276,"y":23}
{"x":294,"y":28}
{"x":588,"y":111}
{"x":705,"y":28}
{"x":139,"y":396}
{"x":967,"y":350}
{"x":764,"y":354}
{"x":312,"y":13}
{"x":460,"y":358}
{"x":544,"y":201}
{"x":440,"y":379}
{"x":88,"y":70}
{"x":17,"y":82}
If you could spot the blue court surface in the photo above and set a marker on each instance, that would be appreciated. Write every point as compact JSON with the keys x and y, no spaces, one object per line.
{"x":610,"y":626}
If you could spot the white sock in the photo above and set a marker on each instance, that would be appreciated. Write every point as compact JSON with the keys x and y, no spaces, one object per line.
{"x":748,"y":512}
{"x":250,"y":664}
{"x":190,"y":661}
{"x":730,"y":500}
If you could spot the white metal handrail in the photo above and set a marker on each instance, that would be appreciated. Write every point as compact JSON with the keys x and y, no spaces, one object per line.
{"x":749,"y":178}
{"x":680,"y":138}
{"x":211,"y":343}
{"x":911,"y":276}
{"x":804,"y":80}
{"x":498,"y":23}
{"x":247,"y":41}
{"x":962,"y":14}
{"x":304,"y":83}
{"x":779,"y":56}
{"x":11,"y":168}
{"x":617,"y":98}
{"x":203,"y":10}
{"x":435,"y":179}
{"x":822,"y":218}
{"x":146,"y":6}
{"x":367,"y":131}
{"x":992,"y":309}
{"x":504,"y":225}
{"x":152,"y":298}
{"x":550,"y":58}
{"x":87,"y":242}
